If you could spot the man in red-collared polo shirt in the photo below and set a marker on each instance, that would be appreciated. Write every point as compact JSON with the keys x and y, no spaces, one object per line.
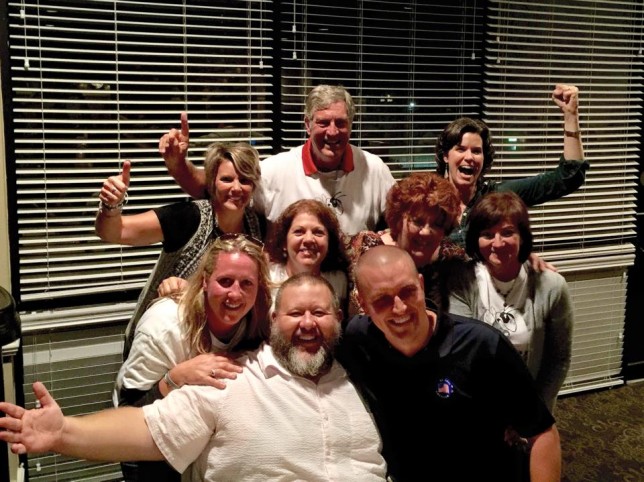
{"x":327,"y":168}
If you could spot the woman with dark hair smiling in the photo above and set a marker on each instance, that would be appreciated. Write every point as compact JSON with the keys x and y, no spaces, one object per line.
{"x":533,"y":309}
{"x":307,"y":238}
{"x":464,"y":154}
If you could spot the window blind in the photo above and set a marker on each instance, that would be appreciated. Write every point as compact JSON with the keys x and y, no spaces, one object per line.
{"x":411,"y":67}
{"x":78,"y":365}
{"x":589,"y":234}
{"x":96,"y":82}
{"x":599,"y":300}
{"x":530,"y":47}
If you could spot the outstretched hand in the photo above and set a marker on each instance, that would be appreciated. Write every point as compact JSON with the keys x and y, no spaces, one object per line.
{"x":33,"y":431}
{"x":173,"y":146}
{"x":115,"y":188}
{"x":567,"y":98}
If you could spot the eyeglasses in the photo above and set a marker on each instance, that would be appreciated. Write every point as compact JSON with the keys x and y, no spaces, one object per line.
{"x":416,"y":225}
{"x":241,"y":237}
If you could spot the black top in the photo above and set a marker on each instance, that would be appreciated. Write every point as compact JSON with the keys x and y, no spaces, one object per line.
{"x":442,"y":413}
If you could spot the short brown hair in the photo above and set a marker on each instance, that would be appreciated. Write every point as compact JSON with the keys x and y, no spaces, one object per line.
{"x":336,"y":257}
{"x":300,"y":279}
{"x":490,"y":210}
{"x":415,"y":195}
{"x":453,"y":135}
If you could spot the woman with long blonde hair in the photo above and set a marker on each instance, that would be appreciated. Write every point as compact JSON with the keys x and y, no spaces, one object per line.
{"x":191,"y":342}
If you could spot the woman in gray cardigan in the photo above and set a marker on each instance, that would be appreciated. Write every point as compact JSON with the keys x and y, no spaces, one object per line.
{"x":498,"y":286}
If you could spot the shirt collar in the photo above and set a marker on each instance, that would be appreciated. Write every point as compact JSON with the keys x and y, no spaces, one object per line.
{"x":309,"y":166}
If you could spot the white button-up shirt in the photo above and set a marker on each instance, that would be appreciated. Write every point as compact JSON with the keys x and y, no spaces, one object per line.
{"x":268,"y":425}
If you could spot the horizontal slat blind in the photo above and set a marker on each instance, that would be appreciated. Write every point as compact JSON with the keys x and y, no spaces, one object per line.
{"x":530,"y":47}
{"x":411,"y":66}
{"x":96,"y":82}
{"x":599,"y":301}
{"x":78,"y":366}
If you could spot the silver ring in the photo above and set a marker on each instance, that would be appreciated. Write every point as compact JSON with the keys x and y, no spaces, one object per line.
{"x":213,"y":373}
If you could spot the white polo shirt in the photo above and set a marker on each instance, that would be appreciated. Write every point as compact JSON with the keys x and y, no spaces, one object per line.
{"x":357,"y":191}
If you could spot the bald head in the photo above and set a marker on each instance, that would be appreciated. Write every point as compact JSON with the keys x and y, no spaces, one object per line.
{"x":382,"y":258}
{"x":390,"y":291}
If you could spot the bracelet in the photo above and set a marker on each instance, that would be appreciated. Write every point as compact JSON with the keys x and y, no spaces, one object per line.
{"x":170,"y":382}
{"x":574,"y":134}
{"x":110,"y":207}
{"x":109,"y":211}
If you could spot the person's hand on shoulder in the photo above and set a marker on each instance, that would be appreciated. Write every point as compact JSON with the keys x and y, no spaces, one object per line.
{"x":172,"y":287}
{"x":206,"y":369}
{"x":539,"y":264}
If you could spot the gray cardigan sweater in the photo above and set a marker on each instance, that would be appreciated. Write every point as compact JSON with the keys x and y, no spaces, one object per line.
{"x":548,"y":312}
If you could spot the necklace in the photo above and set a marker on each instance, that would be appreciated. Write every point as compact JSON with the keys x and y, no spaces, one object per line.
{"x":503,"y":293}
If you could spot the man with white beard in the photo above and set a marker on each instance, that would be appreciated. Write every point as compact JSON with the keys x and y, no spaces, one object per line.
{"x":291,"y":414}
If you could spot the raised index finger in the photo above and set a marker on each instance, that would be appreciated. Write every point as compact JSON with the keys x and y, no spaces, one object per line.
{"x":184,"y":124}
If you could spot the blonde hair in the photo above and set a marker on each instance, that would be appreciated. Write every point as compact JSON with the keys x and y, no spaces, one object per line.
{"x":192,"y":302}
{"x":245,"y":159}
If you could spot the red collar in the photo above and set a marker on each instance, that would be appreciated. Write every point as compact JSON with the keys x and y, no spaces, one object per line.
{"x":310,"y":167}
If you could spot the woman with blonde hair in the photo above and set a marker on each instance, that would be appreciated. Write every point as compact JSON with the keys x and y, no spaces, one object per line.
{"x":186,"y":229}
{"x":223,"y":310}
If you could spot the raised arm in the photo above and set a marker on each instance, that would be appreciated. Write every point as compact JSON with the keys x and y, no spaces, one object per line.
{"x":99,"y":436}
{"x":567,"y":98}
{"x":112,"y":227}
{"x":173,"y":146}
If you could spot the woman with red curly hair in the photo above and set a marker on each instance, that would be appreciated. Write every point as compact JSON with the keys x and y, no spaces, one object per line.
{"x":422,"y":209}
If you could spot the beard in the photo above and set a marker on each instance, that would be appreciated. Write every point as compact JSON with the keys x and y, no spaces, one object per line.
{"x":300,"y":362}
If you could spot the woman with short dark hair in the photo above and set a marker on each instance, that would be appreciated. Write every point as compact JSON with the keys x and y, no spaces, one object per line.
{"x":464,"y":154}
{"x":498,"y":286}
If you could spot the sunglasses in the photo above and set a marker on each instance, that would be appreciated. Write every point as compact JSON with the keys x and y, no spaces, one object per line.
{"x":240,"y":237}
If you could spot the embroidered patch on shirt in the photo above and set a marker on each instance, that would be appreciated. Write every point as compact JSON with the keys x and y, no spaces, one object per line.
{"x":444,"y":388}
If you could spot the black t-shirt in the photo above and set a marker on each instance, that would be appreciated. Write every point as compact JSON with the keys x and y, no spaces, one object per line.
{"x":442,"y":413}
{"x":179,"y":222}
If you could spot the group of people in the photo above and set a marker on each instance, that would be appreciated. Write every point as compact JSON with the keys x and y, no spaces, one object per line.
{"x":235,"y":366}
